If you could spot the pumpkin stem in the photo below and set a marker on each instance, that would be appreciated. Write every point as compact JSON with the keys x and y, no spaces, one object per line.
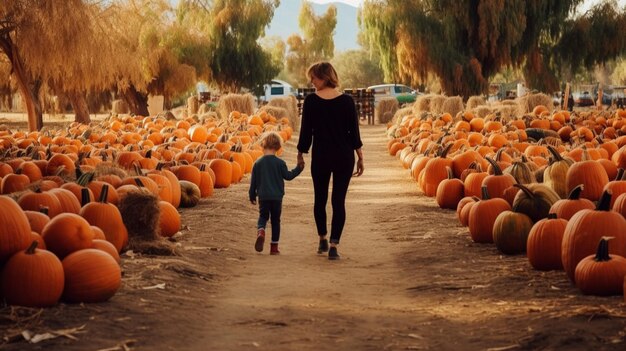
{"x":485,"y":193}
{"x":620,"y":174}
{"x":604,"y":204}
{"x":525,"y":189}
{"x":104,"y":193}
{"x":602,"y":254}
{"x":444,"y":153}
{"x":44,"y":210}
{"x":32,"y":247}
{"x":575,"y":193}
{"x":84,"y":196}
{"x":555,"y":154}
{"x":148,"y":154}
{"x":496,"y":168}
{"x":552,"y":216}
{"x":139,"y":182}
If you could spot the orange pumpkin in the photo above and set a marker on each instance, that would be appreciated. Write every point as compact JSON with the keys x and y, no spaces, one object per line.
{"x":91,"y":275}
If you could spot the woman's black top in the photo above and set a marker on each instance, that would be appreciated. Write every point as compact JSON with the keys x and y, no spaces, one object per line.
{"x":332,"y":125}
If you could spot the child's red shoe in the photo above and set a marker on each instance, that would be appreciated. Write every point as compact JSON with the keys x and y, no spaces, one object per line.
{"x":274,"y":249}
{"x":260,"y":240}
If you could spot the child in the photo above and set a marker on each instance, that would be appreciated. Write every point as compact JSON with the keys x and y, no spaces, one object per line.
{"x":267,"y":182}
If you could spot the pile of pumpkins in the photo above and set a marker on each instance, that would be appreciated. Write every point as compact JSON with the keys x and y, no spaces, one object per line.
{"x":549,"y":184}
{"x":61,"y":231}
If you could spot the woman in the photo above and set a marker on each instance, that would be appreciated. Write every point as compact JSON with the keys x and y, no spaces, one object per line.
{"x":330,"y":123}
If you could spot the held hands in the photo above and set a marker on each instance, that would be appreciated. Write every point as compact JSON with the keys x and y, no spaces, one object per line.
{"x":253,"y":201}
{"x":300,"y":160}
{"x":359,"y":168}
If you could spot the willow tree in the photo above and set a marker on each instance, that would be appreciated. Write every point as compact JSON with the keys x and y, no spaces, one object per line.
{"x":236,"y":58}
{"x":53,"y":43}
{"x":315,"y":44}
{"x":358,"y":68}
{"x":6,"y":89}
{"x":466,"y":42}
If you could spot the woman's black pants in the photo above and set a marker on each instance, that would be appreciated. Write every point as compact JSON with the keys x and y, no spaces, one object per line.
{"x":341,"y":173}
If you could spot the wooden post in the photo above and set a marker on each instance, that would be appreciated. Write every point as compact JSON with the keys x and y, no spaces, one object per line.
{"x":566,"y":97}
{"x":599,"y":102}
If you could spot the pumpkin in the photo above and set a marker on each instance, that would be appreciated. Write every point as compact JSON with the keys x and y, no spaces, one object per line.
{"x":169,"y":220}
{"x":68,"y":201}
{"x":37,"y":219}
{"x":497,"y":182}
{"x":91,"y":275}
{"x":510,"y":232}
{"x":586,"y":228}
{"x":617,"y":186}
{"x":534,"y":200}
{"x":102,"y":244}
{"x":482,"y":216}
{"x":33,"y":278}
{"x":601,"y":274}
{"x":591,"y":174}
{"x":435,"y":172}
{"x":555,"y":174}
{"x":12,"y":183}
{"x":449,"y":191}
{"x":223,"y":170}
{"x":545,"y":239}
{"x":14,"y":229}
{"x":566,"y":208}
{"x":66,"y":233}
{"x":108,"y":218}
{"x":189,"y":194}
{"x":521,"y":172}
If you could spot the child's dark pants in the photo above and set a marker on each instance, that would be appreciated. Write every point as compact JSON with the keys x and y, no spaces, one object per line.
{"x":270,"y":209}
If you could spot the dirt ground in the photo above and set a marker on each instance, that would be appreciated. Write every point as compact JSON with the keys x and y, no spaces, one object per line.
{"x":409,"y":278}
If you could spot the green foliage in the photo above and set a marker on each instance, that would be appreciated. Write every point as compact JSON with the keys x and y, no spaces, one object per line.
{"x":315,"y":44}
{"x":465,"y":43}
{"x":237,"y":59}
{"x":357,"y":69}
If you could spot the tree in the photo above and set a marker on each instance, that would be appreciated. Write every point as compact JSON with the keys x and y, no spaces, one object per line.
{"x":315,"y":44}
{"x":465,"y":43}
{"x":357,"y":69}
{"x":63,"y":54}
{"x":236,"y":58}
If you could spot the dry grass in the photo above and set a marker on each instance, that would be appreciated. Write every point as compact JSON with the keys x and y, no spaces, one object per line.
{"x":235,"y":102}
{"x":527,"y":103}
{"x":475,"y":101}
{"x":481,"y":111}
{"x":140,"y":212}
{"x":192,"y":105}
{"x":385,"y":109}
{"x":401,"y":113}
{"x":436,"y":104}
{"x":277,"y":112}
{"x":422,"y":104}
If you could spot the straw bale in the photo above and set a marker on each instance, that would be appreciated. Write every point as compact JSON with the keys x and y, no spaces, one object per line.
{"x":475,"y":101}
{"x":228,"y":103}
{"x":140,"y":213}
{"x":120,"y":107}
{"x":527,"y":103}
{"x":385,"y":109}
{"x":453,"y":105}
{"x":482,"y":111}
{"x":436,"y":104}
{"x":401,"y":113}
{"x":193,"y":104}
{"x":277,"y":112}
{"x":422,"y":104}
{"x":290,"y":104}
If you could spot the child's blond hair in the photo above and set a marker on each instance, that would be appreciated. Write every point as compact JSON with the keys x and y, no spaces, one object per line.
{"x":272,"y":141}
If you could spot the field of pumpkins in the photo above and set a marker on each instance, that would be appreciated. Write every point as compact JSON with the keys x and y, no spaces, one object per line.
{"x":74,"y":198}
{"x":549,"y":184}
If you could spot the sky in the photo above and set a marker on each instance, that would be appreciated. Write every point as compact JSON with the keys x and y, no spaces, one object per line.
{"x":587,"y":4}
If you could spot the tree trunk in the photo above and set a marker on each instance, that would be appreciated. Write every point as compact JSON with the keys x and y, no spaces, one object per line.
{"x":79,"y":105}
{"x":137,"y":102}
{"x":27,"y":88}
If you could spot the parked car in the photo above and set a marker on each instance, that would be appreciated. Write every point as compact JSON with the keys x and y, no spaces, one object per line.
{"x":584,"y":99}
{"x":403,"y":93}
{"x":276,"y":88}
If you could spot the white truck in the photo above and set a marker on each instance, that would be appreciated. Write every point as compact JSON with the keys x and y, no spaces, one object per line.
{"x":276,"y":88}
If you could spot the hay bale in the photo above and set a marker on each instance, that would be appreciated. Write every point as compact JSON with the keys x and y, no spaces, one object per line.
{"x":475,"y":101}
{"x":436,"y":104}
{"x":290,"y":104}
{"x":140,"y":212}
{"x":385,"y":109}
{"x":277,"y":112}
{"x":228,"y":103}
{"x":205,"y":108}
{"x":507,"y":111}
{"x":527,"y":103}
{"x":192,"y":104}
{"x":422,"y":104}
{"x":481,"y":111}
{"x":453,"y":105}
{"x":401,"y":113}
{"x":120,"y":107}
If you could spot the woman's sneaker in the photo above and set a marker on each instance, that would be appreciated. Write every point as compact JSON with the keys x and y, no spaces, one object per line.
{"x":323,"y":246}
{"x":332,"y":253}
{"x":260,"y":240}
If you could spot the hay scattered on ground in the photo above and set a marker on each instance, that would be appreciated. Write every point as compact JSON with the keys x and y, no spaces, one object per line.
{"x":453,"y":105}
{"x":120,"y":107}
{"x":192,"y":105}
{"x":228,"y":103}
{"x":290,"y":104}
{"x":475,"y":101}
{"x":436,"y":104}
{"x":385,"y":109}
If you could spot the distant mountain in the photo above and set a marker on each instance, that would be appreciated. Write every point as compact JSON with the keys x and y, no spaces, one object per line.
{"x":285,"y":22}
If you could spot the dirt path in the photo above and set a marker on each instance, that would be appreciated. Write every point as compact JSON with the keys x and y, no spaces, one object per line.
{"x":410,"y":278}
